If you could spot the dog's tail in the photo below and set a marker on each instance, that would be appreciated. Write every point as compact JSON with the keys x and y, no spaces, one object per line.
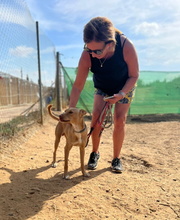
{"x":51,"y":114}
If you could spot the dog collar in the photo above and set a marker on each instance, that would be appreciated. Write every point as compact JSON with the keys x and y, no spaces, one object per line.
{"x":81,"y":130}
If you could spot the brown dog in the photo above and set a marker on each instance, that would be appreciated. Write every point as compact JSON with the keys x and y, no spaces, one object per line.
{"x":72,"y":126}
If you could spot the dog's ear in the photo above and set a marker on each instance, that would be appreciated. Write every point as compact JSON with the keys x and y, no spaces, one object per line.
{"x":82,"y":112}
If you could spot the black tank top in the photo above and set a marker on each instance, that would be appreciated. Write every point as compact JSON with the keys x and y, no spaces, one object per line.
{"x":112,"y":76}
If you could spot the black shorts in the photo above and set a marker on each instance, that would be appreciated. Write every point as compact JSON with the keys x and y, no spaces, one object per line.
{"x":127,"y":99}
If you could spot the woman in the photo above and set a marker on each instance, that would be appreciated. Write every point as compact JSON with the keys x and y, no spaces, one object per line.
{"x":113,"y":60}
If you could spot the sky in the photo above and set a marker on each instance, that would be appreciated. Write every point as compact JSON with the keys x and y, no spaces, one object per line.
{"x":152,"y":25}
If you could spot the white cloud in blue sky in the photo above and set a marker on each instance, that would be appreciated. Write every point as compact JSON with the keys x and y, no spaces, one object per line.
{"x":24,"y":18}
{"x":152,"y":25}
{"x":22,"y":51}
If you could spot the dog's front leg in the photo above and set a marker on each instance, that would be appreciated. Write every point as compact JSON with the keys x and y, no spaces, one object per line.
{"x":56,"y":143}
{"x":82,"y":155}
{"x":66,"y":156}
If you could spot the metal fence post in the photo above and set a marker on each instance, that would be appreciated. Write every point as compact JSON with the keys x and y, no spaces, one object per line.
{"x":18,"y":91}
{"x":58,"y":101}
{"x":39,"y":71}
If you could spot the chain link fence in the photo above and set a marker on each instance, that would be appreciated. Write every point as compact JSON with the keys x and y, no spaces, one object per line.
{"x":28,"y":69}
{"x":19,"y":75}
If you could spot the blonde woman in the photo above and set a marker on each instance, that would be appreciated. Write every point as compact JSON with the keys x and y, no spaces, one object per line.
{"x":112,"y":58}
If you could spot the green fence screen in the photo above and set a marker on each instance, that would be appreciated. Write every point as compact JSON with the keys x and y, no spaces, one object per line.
{"x":156,"y":93}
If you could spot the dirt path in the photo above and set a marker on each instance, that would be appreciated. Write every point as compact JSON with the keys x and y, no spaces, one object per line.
{"x":7,"y":113}
{"x":149,"y":187}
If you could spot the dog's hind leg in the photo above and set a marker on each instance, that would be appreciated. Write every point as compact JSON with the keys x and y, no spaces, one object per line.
{"x":82,"y":155}
{"x":56,"y":143}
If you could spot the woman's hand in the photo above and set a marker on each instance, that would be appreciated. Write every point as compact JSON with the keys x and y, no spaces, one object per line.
{"x":113,"y":99}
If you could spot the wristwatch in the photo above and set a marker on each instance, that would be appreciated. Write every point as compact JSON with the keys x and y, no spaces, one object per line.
{"x":122,"y":93}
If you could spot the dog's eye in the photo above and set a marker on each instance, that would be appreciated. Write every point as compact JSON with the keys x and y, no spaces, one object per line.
{"x":70,"y":112}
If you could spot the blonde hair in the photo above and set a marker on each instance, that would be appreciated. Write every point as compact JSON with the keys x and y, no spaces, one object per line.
{"x":99,"y":29}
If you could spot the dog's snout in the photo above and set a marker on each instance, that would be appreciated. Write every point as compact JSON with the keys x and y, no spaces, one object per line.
{"x":63,"y":119}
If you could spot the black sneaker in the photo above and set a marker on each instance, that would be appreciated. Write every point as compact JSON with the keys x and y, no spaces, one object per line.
{"x":116,"y":165}
{"x":93,"y":159}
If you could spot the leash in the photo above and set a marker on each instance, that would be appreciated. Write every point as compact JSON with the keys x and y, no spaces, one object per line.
{"x":104,"y":118}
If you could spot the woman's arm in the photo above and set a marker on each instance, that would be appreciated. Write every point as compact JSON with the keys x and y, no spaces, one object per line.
{"x":83,"y":70}
{"x":131,"y":59}
{"x":130,"y":56}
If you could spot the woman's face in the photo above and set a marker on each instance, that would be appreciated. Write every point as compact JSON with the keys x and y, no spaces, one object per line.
{"x":97,"y":49}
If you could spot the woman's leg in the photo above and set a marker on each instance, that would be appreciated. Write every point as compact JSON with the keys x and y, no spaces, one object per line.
{"x":120,"y":115}
{"x":97,"y":110}
{"x":98,"y":107}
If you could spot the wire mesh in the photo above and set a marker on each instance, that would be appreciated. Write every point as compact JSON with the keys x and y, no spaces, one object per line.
{"x":156,"y":92}
{"x":18,"y":61}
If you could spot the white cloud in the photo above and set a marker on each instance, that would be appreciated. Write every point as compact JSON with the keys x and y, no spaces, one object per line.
{"x":69,"y":47}
{"x":66,"y":15}
{"x":22,"y":51}
{"x":48,"y":50}
{"x":80,"y":8}
{"x":149,"y":29}
{"x":17,"y":15}
{"x":153,"y":25}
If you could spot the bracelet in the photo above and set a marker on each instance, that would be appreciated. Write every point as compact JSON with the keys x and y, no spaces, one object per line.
{"x":122,"y":93}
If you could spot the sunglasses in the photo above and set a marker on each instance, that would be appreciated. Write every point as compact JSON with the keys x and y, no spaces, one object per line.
{"x":98,"y":52}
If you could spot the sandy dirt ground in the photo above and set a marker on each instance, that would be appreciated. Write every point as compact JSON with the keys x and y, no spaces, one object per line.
{"x":8,"y":113}
{"x":148,"y":188}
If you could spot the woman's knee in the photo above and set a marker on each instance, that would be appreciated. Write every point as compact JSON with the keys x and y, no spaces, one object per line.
{"x":120,"y":121}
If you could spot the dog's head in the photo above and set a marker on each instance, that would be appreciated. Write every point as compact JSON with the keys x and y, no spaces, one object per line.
{"x":72,"y":115}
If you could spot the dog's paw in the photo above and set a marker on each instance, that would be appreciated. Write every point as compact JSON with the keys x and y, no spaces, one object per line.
{"x":54,"y":165}
{"x":66,"y":177}
{"x":86,"y":174}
